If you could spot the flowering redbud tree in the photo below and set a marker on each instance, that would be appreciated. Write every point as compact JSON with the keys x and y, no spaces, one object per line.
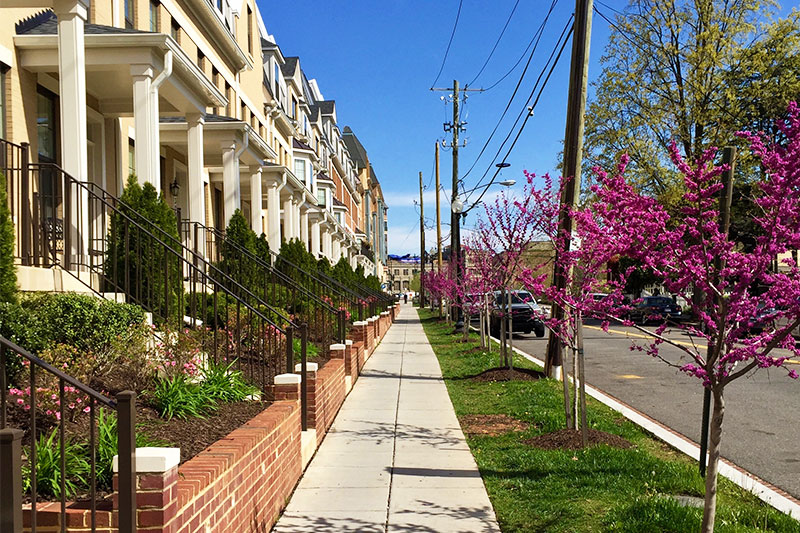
{"x":584,"y":264}
{"x":692,"y":253}
{"x":503,"y":233}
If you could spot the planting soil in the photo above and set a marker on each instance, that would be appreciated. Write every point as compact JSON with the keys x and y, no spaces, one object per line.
{"x":194,"y":435}
{"x":570,"y":439}
{"x":491,"y":425}
{"x":504,"y":374}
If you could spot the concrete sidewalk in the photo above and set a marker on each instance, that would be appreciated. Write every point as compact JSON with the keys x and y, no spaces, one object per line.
{"x":395,"y":458}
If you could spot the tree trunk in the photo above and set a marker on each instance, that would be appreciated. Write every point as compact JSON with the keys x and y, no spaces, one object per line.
{"x":717,"y":413}
{"x":582,"y":374}
{"x":510,"y":350}
{"x":503,"y":354}
{"x":481,"y":324}
{"x":565,"y":382}
{"x":467,"y":323}
{"x":575,"y":413}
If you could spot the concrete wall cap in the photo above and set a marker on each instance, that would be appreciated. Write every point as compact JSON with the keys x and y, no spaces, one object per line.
{"x":310,"y":367}
{"x":372,"y":319}
{"x":338,"y":347}
{"x":359,"y":323}
{"x":385,"y":313}
{"x":287,"y":379}
{"x":348,"y":342}
{"x":153,"y":460}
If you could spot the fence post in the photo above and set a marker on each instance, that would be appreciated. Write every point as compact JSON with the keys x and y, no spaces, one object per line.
{"x":303,"y":376}
{"x":26,"y":199}
{"x":11,"y":487}
{"x":289,"y":349}
{"x":66,"y":222}
{"x":341,"y":326}
{"x":126,"y":422}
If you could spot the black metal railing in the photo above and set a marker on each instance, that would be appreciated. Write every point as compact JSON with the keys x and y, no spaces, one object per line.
{"x":120,"y":254}
{"x":325,"y":322}
{"x":37,"y":401}
{"x":14,"y":166}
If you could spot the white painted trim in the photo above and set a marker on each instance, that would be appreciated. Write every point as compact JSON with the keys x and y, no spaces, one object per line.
{"x":310,"y":367}
{"x":6,"y":56}
{"x":738,"y":475}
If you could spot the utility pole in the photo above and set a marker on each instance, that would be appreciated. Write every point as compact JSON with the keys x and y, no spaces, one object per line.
{"x":455,"y":218}
{"x":438,"y":228}
{"x":573,"y":154}
{"x":421,"y":247}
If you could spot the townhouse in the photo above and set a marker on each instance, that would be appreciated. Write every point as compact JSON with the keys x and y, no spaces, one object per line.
{"x":192,"y":96}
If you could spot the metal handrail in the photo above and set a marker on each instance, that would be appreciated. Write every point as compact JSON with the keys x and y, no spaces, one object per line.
{"x":11,"y":516}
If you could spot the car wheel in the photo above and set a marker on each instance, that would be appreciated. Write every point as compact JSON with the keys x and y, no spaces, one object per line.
{"x":540,"y":332}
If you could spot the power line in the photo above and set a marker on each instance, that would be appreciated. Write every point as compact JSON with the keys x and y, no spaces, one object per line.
{"x":565,"y":33}
{"x":497,"y":42}
{"x":539,"y":32}
{"x":522,"y":56}
{"x":449,"y":43}
{"x":524,"y":122}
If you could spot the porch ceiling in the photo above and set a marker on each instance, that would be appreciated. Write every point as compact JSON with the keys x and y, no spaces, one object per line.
{"x":215,"y":135}
{"x":108,"y":70}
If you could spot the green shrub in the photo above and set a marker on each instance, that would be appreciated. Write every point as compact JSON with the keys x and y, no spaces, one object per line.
{"x":107,"y":440}
{"x":324,"y":266}
{"x":224,"y":384}
{"x":8,"y":274}
{"x":179,"y":397}
{"x":135,"y":260}
{"x":48,"y":466}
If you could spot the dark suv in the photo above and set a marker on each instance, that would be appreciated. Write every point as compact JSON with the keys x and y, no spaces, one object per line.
{"x":654,"y":308}
{"x":525,"y":313}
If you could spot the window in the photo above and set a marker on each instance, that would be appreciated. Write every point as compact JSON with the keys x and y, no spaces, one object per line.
{"x":244,"y":112}
{"x":201,"y":61}
{"x":175,"y":31}
{"x":46,"y":120}
{"x":405,"y":272}
{"x":300,"y":170}
{"x":339,"y":218}
{"x":294,"y":107}
{"x":277,"y":79}
{"x":128,"y":6}
{"x":321,"y":197}
{"x":396,"y":271}
{"x":154,"y":15}
{"x":229,"y":107}
{"x":131,"y":157}
{"x":249,"y":30}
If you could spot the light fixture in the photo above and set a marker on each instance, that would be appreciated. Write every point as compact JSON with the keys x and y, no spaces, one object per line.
{"x":457,"y":205}
{"x":507,"y":183}
{"x":174,"y":189}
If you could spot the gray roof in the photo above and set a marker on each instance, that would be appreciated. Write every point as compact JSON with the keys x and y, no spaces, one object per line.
{"x":338,"y":203}
{"x":290,"y":66}
{"x":314,"y":115}
{"x":209,"y":118}
{"x":46,"y":23}
{"x":327,"y":107}
{"x":356,"y":149}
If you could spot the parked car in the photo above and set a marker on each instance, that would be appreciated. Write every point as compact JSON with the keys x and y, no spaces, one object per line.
{"x":525,"y":313}
{"x":654,"y":308}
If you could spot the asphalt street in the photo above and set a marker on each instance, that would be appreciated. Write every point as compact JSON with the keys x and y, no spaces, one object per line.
{"x":760,"y":428}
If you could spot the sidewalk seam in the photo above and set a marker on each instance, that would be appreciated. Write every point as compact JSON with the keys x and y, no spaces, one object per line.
{"x":394,"y":439}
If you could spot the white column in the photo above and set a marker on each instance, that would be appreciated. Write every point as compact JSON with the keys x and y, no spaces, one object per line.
{"x":230,"y":181}
{"x":337,"y":249}
{"x":143,"y":115}
{"x":304,"y":226}
{"x":316,"y":247}
{"x":288,"y":218}
{"x":274,"y":216}
{"x":72,"y":15}
{"x":256,"y":200}
{"x":196,"y":164}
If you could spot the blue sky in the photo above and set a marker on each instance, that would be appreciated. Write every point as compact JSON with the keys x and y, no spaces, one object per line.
{"x":377,"y":59}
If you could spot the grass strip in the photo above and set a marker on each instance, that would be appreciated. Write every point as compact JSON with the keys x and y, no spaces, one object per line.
{"x":596,"y":489}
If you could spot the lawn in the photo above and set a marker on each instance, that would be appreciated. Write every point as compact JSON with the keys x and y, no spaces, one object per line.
{"x":596,"y":489}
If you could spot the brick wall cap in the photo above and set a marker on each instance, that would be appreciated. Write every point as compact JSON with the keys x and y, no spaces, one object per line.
{"x":338,"y":347}
{"x":348,"y":342}
{"x":310,"y":367}
{"x":359,"y":323}
{"x":287,"y":379}
{"x":153,"y":460}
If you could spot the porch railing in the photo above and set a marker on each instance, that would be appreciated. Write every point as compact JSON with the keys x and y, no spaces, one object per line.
{"x":36,"y":402}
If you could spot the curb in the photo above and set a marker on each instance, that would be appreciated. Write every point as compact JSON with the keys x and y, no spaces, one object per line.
{"x":766,"y":492}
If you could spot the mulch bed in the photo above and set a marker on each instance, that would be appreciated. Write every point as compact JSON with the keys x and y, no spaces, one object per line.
{"x":504,"y":374}
{"x":194,"y":435}
{"x":570,"y":439}
{"x":490,"y":425}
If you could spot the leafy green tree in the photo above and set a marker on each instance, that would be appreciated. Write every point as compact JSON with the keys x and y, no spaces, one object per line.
{"x":343,"y":272}
{"x":414,"y":284}
{"x":693,"y":72}
{"x":142,"y":261}
{"x":324,"y":266}
{"x":8,"y":273}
